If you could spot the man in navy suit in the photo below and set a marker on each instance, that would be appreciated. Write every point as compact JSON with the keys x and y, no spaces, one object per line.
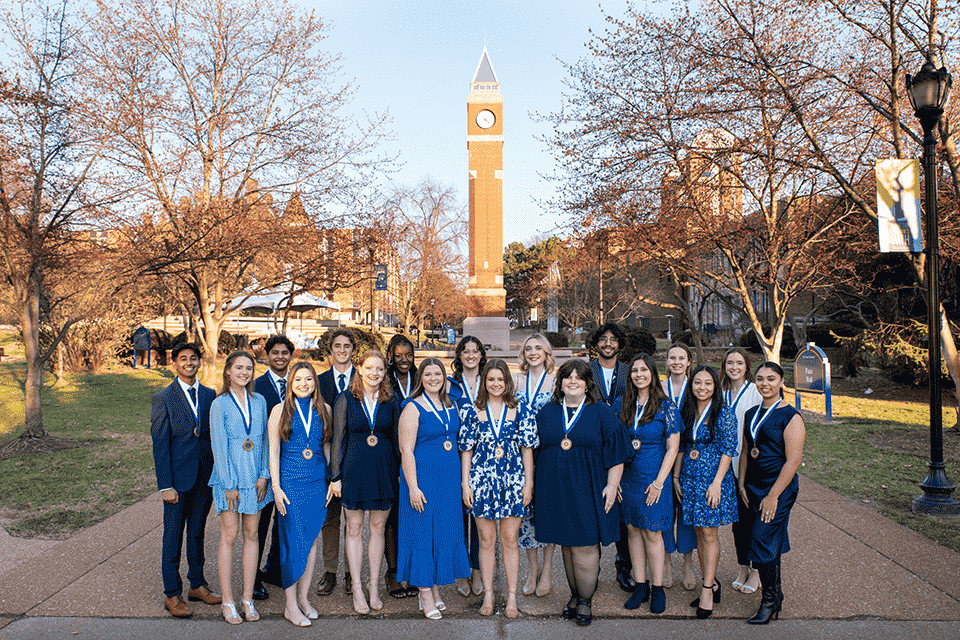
{"x":273,"y":387}
{"x":610,"y":375}
{"x":180,"y":427}
{"x":332,"y":383}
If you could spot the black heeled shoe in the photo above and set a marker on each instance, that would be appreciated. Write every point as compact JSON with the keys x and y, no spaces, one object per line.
{"x":584,"y":619}
{"x":570,"y":611}
{"x":771,"y":600}
{"x":703,"y":614}
{"x":716,"y":595}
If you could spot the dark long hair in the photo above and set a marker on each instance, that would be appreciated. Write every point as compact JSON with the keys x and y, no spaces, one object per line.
{"x":458,"y":365}
{"x":689,"y":410}
{"x":418,"y":389}
{"x":656,"y":394}
{"x":583,"y":371}
{"x":725,"y":381}
{"x":286,"y":413}
{"x":385,"y":392}
{"x":396,"y":341}
{"x":509,"y":391}
{"x":239,"y":353}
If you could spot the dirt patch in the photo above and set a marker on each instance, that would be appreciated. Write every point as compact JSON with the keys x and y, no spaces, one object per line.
{"x":916,"y":442}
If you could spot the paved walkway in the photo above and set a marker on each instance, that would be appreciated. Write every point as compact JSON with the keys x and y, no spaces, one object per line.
{"x":852,"y":573}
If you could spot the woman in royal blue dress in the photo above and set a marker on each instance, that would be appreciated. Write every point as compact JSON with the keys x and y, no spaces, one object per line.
{"x":702,"y":476}
{"x":365,"y":467}
{"x":240,"y":478}
{"x":773,"y":444}
{"x":534,"y":384}
{"x":299,"y":429}
{"x":653,"y":425}
{"x":740,"y":394}
{"x":497,"y":437}
{"x":577,"y":479}
{"x":431,"y":549}
{"x":469,"y":359}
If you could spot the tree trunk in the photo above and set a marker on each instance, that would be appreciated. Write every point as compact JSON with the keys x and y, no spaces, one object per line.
{"x":30,"y":318}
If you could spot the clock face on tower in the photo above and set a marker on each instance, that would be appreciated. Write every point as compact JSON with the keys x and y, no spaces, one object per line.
{"x":486,"y":119}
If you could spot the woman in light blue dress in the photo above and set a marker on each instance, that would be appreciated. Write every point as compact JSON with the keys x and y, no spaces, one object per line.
{"x":241,"y":476}
{"x":534,"y":384}
{"x":431,"y":547}
{"x":497,"y":437}
{"x":299,"y":429}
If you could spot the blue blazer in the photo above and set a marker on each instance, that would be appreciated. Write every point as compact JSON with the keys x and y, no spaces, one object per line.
{"x":328,"y":387}
{"x":182,"y":460}
{"x":620,"y":375}
{"x":264,"y":386}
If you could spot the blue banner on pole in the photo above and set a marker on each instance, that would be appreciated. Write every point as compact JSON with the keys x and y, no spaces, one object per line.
{"x":380,"y":277}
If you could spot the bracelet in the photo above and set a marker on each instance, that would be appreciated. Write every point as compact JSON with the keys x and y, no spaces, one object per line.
{"x":660,"y":488}
{"x":676,"y":477}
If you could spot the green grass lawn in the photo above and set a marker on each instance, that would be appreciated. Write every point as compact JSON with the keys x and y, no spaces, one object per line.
{"x":54,"y":494}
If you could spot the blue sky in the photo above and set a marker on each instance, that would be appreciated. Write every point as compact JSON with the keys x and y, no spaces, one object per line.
{"x":416,"y":58}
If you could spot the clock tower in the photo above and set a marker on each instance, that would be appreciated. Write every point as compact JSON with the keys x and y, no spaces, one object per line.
{"x":486,"y":297}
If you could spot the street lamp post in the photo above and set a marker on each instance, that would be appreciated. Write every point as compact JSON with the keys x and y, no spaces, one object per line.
{"x":669,"y":332}
{"x":928,"y":92}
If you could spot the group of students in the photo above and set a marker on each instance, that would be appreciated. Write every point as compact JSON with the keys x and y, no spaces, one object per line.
{"x":577,"y":458}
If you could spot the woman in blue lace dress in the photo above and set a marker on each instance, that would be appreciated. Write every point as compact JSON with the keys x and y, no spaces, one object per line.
{"x":299,"y":429}
{"x":497,"y":437}
{"x":653,"y":427}
{"x":703,"y":478}
{"x":534,"y":384}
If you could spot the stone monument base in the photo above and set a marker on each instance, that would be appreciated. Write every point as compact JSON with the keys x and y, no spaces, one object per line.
{"x":494,"y":333}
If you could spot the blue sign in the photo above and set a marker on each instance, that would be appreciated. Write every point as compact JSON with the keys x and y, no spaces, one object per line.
{"x":380,"y":277}
{"x":141,"y":342}
{"x":451,"y":335}
{"x":811,"y":372}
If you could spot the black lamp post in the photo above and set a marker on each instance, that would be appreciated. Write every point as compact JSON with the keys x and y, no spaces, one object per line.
{"x":928,"y":92}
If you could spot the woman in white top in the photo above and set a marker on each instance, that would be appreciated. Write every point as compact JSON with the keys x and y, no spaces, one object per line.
{"x":740,"y":394}
{"x":679,"y":364}
{"x":534,"y":384}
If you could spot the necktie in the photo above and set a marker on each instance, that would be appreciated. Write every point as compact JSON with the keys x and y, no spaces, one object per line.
{"x":341,"y":382}
{"x":193,"y":396}
{"x":282,"y":385}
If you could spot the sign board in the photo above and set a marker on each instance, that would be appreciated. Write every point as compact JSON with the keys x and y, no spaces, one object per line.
{"x":141,"y":342}
{"x":451,"y":335}
{"x":898,"y":205}
{"x":380,"y":277}
{"x":811,"y":372}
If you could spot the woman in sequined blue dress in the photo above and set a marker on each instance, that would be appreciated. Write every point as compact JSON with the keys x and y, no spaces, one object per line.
{"x":497,"y":437}
{"x":702,"y":475}
{"x":534,"y":384}
{"x":653,"y":427}
{"x":299,"y":429}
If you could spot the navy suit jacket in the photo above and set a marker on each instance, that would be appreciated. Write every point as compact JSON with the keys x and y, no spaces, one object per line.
{"x":264,"y":386}
{"x":181,"y":458}
{"x":328,"y":387}
{"x":619,"y":385}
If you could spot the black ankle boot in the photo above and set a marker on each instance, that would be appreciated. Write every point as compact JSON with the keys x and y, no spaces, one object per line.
{"x":641,"y":593}
{"x":770,"y":600}
{"x":658,"y":599}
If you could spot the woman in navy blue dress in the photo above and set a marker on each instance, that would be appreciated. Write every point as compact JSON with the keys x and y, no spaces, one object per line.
{"x":365,"y":467}
{"x":240,"y":478}
{"x":653,"y":427}
{"x":702,"y":476}
{"x":431,"y":549}
{"x":299,"y":429}
{"x":773,"y":447}
{"x":576,"y":481}
{"x":497,"y":437}
{"x":469,"y":359}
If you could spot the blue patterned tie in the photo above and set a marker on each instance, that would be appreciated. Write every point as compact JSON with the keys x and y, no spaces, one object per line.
{"x":341,"y":381}
{"x":282,"y":385}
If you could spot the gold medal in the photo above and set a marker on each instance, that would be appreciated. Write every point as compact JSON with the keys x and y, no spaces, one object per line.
{"x":372,"y":440}
{"x":248,"y":445}
{"x":694,"y":454}
{"x":196,"y":431}
{"x":308,"y":453}
{"x":636,"y":444}
{"x":754,"y":453}
{"x":498,"y":452}
{"x":566,"y":444}
{"x":448,"y":445}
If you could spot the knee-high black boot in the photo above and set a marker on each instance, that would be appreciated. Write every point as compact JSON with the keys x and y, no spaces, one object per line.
{"x":770,"y":600}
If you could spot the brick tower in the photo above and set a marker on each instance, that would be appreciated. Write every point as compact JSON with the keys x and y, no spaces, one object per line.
{"x":486,"y":297}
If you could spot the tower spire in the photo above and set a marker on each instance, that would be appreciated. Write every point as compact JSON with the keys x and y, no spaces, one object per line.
{"x":485,"y":72}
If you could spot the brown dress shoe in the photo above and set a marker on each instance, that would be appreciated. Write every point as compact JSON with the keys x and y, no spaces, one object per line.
{"x":203,"y":594}
{"x":177,"y":607}
{"x":327,"y":583}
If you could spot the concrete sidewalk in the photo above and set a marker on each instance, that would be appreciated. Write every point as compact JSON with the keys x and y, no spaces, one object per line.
{"x":851,"y":573}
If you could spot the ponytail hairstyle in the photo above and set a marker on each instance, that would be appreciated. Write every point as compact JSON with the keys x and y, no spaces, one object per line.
{"x":776,"y":368}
